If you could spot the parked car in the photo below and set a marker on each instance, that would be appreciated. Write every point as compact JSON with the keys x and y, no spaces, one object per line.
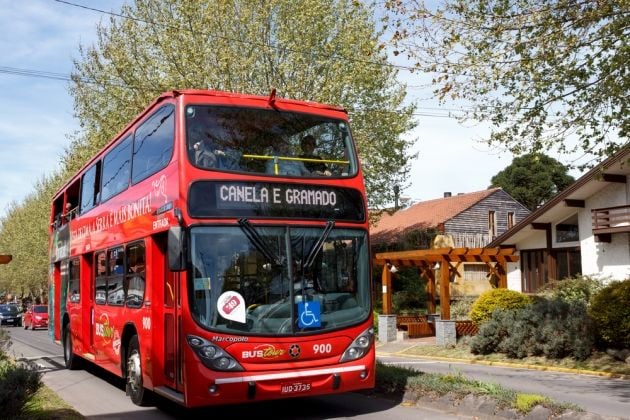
{"x":10,"y":314}
{"x":36,"y":316}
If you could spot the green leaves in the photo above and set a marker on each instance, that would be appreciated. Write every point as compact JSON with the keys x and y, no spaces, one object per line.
{"x":320,"y":50}
{"x":547,"y":74}
{"x":324,"y":51}
{"x":532,"y":179}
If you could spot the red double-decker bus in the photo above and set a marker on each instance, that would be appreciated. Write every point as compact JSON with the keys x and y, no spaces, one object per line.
{"x":216,"y":251}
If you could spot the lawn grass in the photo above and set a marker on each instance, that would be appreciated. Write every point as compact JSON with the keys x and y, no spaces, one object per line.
{"x":45,"y":404}
{"x":599,"y":362}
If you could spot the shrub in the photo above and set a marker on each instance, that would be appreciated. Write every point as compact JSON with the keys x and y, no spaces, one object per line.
{"x":494,"y":299}
{"x":461,"y":308}
{"x":610,"y":310}
{"x":579,"y":289}
{"x":18,"y":384}
{"x":551,"y":328}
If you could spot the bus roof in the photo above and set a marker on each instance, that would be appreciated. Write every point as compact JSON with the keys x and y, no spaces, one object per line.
{"x":249,"y":98}
{"x":233,"y":98}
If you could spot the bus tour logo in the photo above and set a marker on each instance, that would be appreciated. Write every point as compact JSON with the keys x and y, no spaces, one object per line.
{"x":109,"y":334}
{"x":264,"y":351}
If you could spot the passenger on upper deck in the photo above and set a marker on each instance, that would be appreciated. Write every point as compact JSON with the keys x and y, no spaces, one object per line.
{"x":291,"y":166}
{"x":199,"y":141}
{"x":209,"y":153}
{"x":308,"y":144}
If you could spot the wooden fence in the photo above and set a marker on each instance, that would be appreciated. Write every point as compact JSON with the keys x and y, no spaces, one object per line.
{"x":419,"y":326}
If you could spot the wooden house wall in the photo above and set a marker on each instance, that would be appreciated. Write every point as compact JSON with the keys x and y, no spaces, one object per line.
{"x":475,"y":219}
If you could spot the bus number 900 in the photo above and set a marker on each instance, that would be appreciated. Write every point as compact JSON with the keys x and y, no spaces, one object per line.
{"x":322,"y":348}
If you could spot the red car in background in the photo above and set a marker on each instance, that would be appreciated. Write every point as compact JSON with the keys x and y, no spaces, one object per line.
{"x":36,"y":316}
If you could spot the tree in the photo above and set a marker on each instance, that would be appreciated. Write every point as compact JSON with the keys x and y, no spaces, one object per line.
{"x":532,"y":179}
{"x":325,"y":51}
{"x":541,"y":71}
{"x":24,"y":235}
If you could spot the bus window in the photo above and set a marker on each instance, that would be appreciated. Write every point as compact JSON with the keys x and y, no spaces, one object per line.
{"x":116,"y":168}
{"x":100,"y":279}
{"x":135,"y":278}
{"x":90,"y":187}
{"x":264,"y":141}
{"x":115,"y":291}
{"x":333,"y":274}
{"x":153,"y":144}
{"x":74,"y":281}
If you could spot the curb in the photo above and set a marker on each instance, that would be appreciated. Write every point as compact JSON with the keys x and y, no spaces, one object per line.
{"x":402,"y":353}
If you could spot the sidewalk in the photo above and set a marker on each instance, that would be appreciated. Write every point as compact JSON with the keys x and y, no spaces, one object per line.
{"x":400,"y":345}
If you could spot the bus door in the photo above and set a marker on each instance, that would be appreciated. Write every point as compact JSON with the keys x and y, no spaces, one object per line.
{"x":63,"y":294}
{"x":172,"y":324}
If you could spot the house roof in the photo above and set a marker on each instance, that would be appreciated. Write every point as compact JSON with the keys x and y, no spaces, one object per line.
{"x":562,"y":205}
{"x":424,"y":215}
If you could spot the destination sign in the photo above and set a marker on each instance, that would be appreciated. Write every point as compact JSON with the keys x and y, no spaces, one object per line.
{"x":267,"y":199}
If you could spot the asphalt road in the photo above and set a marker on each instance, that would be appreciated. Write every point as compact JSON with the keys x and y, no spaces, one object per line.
{"x":99,"y":395}
{"x":595,"y":394}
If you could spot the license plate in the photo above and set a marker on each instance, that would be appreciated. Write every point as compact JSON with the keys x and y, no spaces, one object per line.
{"x":295,"y":387}
{"x":10,"y":321}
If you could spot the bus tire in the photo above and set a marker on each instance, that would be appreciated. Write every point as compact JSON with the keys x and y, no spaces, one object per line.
{"x":135,"y":385}
{"x":70,"y":359}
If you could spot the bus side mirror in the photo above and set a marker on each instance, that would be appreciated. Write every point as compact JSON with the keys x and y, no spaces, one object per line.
{"x":176,"y":254}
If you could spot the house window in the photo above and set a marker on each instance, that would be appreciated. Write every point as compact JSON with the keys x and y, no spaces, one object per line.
{"x":475,"y":272}
{"x":510,"y":219}
{"x":538,"y":269}
{"x":492,"y":224}
{"x":567,"y":230}
{"x":569,"y":263}
{"x":534,"y":269}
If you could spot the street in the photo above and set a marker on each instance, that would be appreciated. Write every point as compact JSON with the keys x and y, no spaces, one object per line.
{"x":98,"y":394}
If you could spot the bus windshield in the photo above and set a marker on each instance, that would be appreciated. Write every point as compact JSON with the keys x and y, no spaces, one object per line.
{"x":279,"y":281}
{"x":275,"y":143}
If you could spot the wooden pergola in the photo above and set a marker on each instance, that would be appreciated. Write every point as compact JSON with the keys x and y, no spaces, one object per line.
{"x":449,"y":260}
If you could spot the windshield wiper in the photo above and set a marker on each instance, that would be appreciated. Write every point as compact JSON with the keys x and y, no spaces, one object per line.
{"x":317,"y":246}
{"x":259,"y":242}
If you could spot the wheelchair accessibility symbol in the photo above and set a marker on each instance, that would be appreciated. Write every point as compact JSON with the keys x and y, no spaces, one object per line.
{"x":309,"y":314}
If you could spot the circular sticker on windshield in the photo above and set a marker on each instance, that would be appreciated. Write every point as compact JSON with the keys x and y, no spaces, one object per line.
{"x":232,"y":306}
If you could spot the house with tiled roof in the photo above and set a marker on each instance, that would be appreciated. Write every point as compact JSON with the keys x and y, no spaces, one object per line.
{"x":470,"y":220}
{"x":584,"y":229}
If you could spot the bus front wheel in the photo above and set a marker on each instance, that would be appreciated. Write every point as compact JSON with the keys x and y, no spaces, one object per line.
{"x":135,"y":387}
{"x":71,"y":361}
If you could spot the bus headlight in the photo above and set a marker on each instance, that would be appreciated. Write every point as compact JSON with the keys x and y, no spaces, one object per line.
{"x":359,"y":347}
{"x":213,"y":356}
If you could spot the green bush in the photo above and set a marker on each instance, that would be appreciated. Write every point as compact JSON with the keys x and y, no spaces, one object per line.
{"x":18,"y":384}
{"x":460,"y":309}
{"x":551,"y":328}
{"x":610,"y":310}
{"x":579,"y":289}
{"x":494,"y":299}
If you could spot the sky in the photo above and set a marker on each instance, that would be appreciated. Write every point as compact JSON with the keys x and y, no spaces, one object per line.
{"x":36,"y":115}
